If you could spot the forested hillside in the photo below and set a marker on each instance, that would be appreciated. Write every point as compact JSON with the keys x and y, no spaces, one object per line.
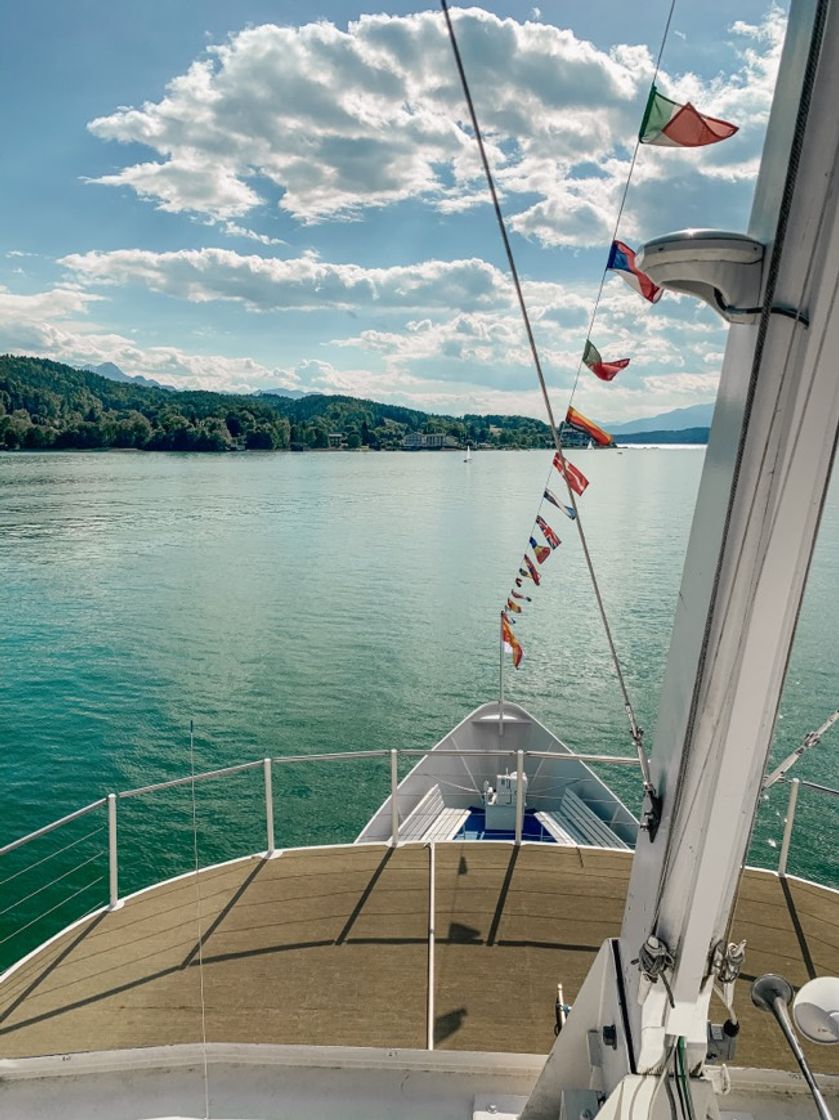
{"x":45,"y":405}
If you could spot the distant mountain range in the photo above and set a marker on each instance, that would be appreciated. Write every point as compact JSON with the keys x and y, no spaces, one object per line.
{"x":695,"y":417}
{"x":292,"y":394}
{"x":114,"y":373}
{"x":678,"y":419}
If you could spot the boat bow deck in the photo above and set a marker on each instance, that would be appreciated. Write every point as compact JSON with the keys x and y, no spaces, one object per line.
{"x":330,"y":947}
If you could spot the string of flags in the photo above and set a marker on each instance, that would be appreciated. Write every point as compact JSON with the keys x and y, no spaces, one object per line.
{"x":665,"y":123}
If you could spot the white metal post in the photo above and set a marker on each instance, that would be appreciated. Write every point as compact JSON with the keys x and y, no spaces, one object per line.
{"x":501,"y":675}
{"x":269,"y":807}
{"x":519,"y":794}
{"x":431,"y":922}
{"x":394,"y":798}
{"x":788,"y":823}
{"x":113,"y":856}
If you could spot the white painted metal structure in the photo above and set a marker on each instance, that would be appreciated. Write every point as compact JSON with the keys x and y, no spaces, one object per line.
{"x":765,"y":476}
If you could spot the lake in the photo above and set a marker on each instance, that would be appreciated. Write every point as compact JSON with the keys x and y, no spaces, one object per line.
{"x":290,"y":604}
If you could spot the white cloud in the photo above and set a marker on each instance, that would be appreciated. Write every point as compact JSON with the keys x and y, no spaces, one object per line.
{"x":308,"y":283}
{"x":340,"y":121}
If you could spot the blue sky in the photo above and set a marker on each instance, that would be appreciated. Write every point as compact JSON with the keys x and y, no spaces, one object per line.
{"x":238,"y":196}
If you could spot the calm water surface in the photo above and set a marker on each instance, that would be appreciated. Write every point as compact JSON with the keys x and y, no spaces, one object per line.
{"x":298,"y":603}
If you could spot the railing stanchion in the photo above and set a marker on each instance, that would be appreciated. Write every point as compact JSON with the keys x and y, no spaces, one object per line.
{"x":788,"y":823}
{"x":519,"y":794}
{"x":113,"y":855}
{"x":269,"y":808}
{"x":394,"y":797}
{"x":432,"y":908}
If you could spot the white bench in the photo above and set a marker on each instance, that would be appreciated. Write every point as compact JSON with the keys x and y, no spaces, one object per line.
{"x":551,"y":824}
{"x":584,"y":824}
{"x":432,"y":819}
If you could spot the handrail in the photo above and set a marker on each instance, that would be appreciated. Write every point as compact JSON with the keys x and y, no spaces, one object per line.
{"x":55,"y":824}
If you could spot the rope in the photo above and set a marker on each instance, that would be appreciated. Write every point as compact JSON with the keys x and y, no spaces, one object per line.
{"x":51,"y":883}
{"x":57,"y":906}
{"x":635,"y":729}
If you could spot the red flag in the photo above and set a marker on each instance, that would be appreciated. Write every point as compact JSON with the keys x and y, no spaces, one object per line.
{"x":511,"y":642}
{"x":531,"y":567}
{"x":514,"y":607}
{"x":604,"y":370}
{"x":574,"y":477}
{"x":550,"y":536}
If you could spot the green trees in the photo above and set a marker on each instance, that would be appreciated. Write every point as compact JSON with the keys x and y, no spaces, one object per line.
{"x":44,"y":404}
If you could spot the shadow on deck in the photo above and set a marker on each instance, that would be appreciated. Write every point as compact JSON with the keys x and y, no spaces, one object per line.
{"x":330,"y":947}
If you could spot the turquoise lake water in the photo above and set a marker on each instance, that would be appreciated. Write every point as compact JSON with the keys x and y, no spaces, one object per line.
{"x":290,"y":604}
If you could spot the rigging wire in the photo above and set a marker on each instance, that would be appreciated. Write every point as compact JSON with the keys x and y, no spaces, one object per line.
{"x":198,"y":922}
{"x":636,"y":731}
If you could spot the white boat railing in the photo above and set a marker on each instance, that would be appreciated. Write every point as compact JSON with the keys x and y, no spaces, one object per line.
{"x":392,"y":757}
{"x":111,"y":802}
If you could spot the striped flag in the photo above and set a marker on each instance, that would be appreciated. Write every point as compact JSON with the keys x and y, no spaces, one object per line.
{"x":569,"y":511}
{"x":550,"y":536}
{"x":671,"y":125}
{"x":581,"y":423}
{"x":574,"y":477}
{"x":514,"y":607}
{"x":604,"y":370}
{"x":622,"y":261}
{"x":511,"y":642}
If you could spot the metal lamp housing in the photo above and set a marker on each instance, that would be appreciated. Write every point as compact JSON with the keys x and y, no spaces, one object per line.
{"x":723,"y":269}
{"x":816,"y":1010}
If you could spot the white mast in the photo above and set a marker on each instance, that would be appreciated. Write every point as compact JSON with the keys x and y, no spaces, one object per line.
{"x":765,"y":476}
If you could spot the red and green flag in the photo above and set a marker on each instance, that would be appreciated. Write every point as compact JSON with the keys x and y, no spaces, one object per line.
{"x":604,"y":370}
{"x":581,"y":423}
{"x":671,"y":125}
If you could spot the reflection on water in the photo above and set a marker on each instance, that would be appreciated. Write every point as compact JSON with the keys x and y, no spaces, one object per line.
{"x":296,"y":603}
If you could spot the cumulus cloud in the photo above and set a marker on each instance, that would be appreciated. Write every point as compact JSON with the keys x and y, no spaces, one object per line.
{"x":340,"y":121}
{"x":308,"y":283}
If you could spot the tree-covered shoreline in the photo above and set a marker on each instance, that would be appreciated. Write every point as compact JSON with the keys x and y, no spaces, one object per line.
{"x":45,"y":405}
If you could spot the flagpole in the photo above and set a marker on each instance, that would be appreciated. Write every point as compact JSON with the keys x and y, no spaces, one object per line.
{"x":501,"y":674}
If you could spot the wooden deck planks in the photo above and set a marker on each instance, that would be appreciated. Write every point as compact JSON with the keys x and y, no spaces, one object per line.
{"x":329,"y":946}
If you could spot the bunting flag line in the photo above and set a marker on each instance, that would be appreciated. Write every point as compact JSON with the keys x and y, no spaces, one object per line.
{"x":518,"y":595}
{"x":550,"y":536}
{"x":622,"y":261}
{"x":531,"y":567}
{"x":511,"y":642}
{"x":581,"y":423}
{"x":671,"y":125}
{"x":604,"y":370}
{"x":541,"y":551}
{"x":569,"y":511}
{"x":574,"y":477}
{"x":515,"y":607}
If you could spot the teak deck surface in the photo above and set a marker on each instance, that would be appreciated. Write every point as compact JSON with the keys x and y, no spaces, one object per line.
{"x":330,"y":947}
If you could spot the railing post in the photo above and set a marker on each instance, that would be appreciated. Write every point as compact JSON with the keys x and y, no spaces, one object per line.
{"x":788,"y":823}
{"x":394,"y":798}
{"x":519,"y":794}
{"x":432,"y":914}
{"x":269,"y":808}
{"x":113,"y":855}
